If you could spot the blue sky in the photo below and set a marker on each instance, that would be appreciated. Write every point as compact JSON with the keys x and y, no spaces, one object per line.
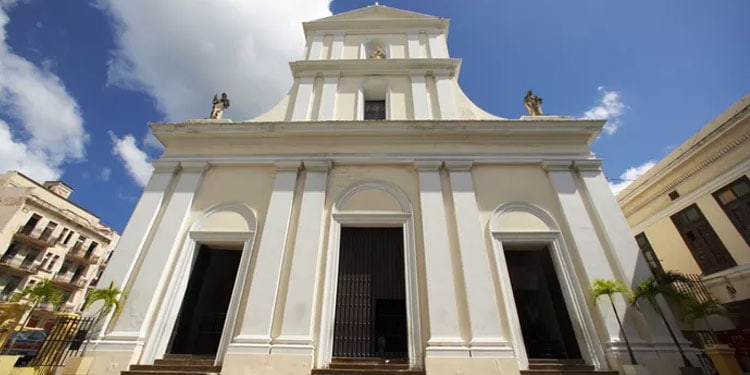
{"x":79,"y":80}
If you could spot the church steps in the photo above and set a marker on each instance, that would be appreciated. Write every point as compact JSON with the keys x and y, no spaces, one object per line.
{"x":177,"y":364}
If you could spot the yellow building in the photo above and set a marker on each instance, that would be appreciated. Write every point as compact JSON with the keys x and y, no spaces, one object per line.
{"x":46,"y":236}
{"x":691,"y":211}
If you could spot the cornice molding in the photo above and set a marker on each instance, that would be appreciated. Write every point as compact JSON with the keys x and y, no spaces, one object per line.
{"x":358,"y":67}
{"x":652,"y":196}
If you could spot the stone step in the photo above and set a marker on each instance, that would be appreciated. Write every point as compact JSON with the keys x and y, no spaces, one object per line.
{"x":189,"y":356}
{"x":366,"y":371}
{"x":566,"y":372}
{"x":185,"y":362}
{"x":176,"y":367}
{"x":157,"y":372}
{"x":559,"y":366}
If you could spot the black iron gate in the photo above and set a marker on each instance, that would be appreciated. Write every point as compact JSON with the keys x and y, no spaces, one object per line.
{"x":64,"y":340}
{"x":370,"y":301}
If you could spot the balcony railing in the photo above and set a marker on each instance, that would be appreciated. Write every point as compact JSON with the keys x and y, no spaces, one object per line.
{"x":68,"y":280}
{"x":28,"y":239}
{"x":81,"y":255}
{"x":21,"y":265}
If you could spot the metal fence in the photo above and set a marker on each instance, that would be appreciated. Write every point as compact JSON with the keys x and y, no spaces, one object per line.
{"x":65,"y":340}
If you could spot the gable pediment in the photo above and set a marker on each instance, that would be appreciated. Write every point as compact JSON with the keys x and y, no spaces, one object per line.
{"x":377,"y":12}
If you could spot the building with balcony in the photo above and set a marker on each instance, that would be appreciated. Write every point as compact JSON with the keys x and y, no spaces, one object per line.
{"x":45,"y":235}
{"x":691,"y":212}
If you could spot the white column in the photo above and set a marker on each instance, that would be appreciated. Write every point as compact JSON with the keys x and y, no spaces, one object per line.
{"x":337,"y":46}
{"x":412,"y":42}
{"x":328,"y":98}
{"x":419,"y":97}
{"x":296,"y":328}
{"x":445,"y":335}
{"x":255,"y":330}
{"x":487,"y":335}
{"x":303,"y":99}
{"x":316,"y":47}
{"x":591,"y":252}
{"x":632,"y":266}
{"x":446,"y":97}
{"x":144,"y":296}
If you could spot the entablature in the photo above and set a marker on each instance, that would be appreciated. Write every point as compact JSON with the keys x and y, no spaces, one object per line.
{"x":355,"y":67}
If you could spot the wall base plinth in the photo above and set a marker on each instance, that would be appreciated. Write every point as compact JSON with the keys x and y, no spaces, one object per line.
{"x":266,"y":364}
{"x":488,"y":366}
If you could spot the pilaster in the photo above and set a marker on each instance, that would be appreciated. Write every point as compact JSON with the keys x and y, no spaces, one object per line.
{"x":296,"y":329}
{"x":328,"y":98}
{"x":316,"y":47}
{"x":591,"y":253}
{"x":337,"y":46}
{"x":144,"y":296}
{"x":255,"y":331}
{"x":445,"y":335}
{"x":446,"y":97}
{"x":303,"y":99}
{"x":412,"y":43}
{"x":630,"y":265}
{"x":487,"y":336}
{"x":419,"y":97}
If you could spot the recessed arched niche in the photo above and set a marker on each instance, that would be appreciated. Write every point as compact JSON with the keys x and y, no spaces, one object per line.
{"x":375,"y":49}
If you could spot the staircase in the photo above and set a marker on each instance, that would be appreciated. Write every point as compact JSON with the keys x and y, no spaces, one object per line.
{"x":368,"y":366}
{"x":562,"y":367}
{"x":177,"y":364}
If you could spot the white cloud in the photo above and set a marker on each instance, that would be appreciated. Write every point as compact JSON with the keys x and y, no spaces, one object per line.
{"x":183,"y":52}
{"x":105,"y":174}
{"x":610,"y":107}
{"x":41,"y":127}
{"x":631,"y":174}
{"x":136,"y":161}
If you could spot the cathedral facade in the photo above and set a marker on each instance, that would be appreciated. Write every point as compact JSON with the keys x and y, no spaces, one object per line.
{"x":377,"y":217}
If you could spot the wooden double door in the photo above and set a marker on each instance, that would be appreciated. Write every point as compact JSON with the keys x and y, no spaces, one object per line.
{"x":370,"y":317}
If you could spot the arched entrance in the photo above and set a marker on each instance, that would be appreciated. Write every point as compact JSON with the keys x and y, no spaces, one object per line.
{"x":370,"y":293}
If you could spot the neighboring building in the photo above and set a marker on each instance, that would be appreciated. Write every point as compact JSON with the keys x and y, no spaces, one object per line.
{"x":377,"y":214}
{"x":44,"y":235}
{"x":691,"y":211}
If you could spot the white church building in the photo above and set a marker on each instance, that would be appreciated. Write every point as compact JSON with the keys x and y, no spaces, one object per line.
{"x":377,"y":219}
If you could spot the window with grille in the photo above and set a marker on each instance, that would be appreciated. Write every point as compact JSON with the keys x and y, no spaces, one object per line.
{"x":705,"y":246}
{"x":648,"y":252}
{"x":374,"y":109}
{"x":734,"y":199}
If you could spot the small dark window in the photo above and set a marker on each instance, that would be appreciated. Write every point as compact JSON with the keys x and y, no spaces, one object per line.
{"x":674,"y":195}
{"x":734,"y":199}
{"x":31,"y":224}
{"x":374,"y":109}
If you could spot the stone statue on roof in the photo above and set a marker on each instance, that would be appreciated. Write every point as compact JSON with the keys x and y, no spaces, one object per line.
{"x":219,"y":105}
{"x":533,"y":104}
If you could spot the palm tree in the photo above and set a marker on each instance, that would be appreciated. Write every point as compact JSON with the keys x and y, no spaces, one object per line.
{"x":40,"y":292}
{"x":112,"y":299}
{"x":609,"y":288}
{"x":695,"y":310}
{"x":650,"y":289}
